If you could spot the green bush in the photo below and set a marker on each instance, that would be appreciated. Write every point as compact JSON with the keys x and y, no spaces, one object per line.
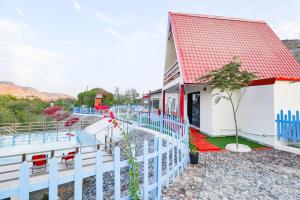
{"x":26,"y":110}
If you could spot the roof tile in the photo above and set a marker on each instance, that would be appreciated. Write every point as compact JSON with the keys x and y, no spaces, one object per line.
{"x":204,"y":43}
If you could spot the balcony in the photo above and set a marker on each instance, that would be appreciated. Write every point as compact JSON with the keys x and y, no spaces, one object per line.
{"x":172,"y":73}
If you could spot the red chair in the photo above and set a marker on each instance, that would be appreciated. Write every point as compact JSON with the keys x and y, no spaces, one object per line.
{"x":39,"y":162}
{"x":69,"y":158}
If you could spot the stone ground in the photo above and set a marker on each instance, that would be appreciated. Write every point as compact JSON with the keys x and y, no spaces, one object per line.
{"x":269,"y":174}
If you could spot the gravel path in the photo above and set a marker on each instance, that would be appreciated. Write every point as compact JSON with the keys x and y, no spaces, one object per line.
{"x":269,"y":174}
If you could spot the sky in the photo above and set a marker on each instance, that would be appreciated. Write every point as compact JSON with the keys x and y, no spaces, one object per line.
{"x":66,"y":46}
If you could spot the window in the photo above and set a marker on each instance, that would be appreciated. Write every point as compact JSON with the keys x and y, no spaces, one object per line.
{"x":155,"y":103}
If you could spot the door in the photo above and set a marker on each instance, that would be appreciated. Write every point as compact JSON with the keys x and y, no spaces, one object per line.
{"x":194,"y":109}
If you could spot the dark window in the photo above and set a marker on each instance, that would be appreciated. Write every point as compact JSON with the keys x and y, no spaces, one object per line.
{"x":155,"y":103}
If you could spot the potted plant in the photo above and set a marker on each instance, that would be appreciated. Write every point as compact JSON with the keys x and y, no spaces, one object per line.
{"x":194,"y":154}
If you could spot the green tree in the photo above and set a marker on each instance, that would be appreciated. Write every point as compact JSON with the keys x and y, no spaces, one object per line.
{"x":88,"y":97}
{"x":6,"y":115}
{"x":66,"y":103}
{"x":228,"y":80}
{"x":21,"y":110}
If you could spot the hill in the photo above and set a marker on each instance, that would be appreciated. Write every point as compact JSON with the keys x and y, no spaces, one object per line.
{"x":9,"y":88}
{"x":294,"y":47}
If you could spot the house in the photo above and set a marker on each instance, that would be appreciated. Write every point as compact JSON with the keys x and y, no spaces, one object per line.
{"x":197,"y":44}
{"x":153,"y":99}
{"x":102,"y":98}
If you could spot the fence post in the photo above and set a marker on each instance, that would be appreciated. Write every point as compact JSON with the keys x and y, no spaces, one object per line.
{"x":167,"y":163}
{"x":117,"y":172}
{"x":161,"y":121}
{"x":278,"y":127}
{"x":53,"y":190}
{"x":146,"y":170}
{"x":24,"y":182}
{"x":140,"y":118}
{"x":29,"y":127}
{"x":187,"y":140}
{"x":99,"y":175}
{"x":287,"y":125}
{"x":298,"y":125}
{"x":155,"y":162}
{"x":293,"y":124}
{"x":159,"y":168}
{"x":78,"y":177}
{"x":173,"y":156}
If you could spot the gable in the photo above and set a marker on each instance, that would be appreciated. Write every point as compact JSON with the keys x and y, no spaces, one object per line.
{"x":204,"y":43}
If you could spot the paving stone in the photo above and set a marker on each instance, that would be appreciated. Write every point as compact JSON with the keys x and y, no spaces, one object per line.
{"x":269,"y":174}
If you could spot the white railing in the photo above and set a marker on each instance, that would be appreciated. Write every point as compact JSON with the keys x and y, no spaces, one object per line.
{"x":176,"y":150}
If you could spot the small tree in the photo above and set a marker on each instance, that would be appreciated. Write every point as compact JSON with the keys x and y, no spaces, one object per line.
{"x":228,"y":80}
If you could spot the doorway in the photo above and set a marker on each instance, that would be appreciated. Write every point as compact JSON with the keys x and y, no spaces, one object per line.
{"x":194,"y":109}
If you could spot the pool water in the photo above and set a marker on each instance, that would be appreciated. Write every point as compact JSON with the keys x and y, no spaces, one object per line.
{"x":77,"y":138}
{"x":35,"y":142}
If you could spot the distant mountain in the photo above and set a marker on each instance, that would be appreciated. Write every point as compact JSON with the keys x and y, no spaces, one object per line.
{"x":18,"y":91}
{"x":294,"y":47}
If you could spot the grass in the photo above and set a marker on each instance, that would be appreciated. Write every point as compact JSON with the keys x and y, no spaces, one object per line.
{"x":223,"y":141}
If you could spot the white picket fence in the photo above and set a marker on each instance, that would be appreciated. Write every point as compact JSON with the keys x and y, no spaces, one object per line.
{"x":177,"y":144}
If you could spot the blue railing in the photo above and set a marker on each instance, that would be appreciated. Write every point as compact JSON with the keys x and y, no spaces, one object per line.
{"x":176,"y":149}
{"x":85,"y":110}
{"x":166,"y":124}
{"x":288,"y":126}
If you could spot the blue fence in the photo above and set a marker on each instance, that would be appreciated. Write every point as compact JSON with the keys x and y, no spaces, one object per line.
{"x":175,"y":152}
{"x":166,"y":124}
{"x":85,"y":110}
{"x":288,"y":126}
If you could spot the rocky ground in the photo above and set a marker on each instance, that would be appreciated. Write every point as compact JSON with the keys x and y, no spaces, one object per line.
{"x":137,"y":138}
{"x":269,"y":174}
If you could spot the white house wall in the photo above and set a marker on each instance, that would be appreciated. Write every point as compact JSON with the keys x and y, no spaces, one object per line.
{"x":255,"y":115}
{"x":222,"y":117}
{"x":206,"y":112}
{"x":287,"y":97}
{"x":205,"y":107}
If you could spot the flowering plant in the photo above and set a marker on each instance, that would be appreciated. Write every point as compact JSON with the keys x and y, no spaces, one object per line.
{"x":134,"y":180}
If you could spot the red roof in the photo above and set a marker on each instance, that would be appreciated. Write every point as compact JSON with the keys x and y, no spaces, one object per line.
{"x":204,"y":43}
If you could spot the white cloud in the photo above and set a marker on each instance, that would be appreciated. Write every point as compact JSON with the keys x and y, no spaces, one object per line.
{"x":12,"y":32}
{"x":77,"y":5}
{"x":288,"y":30}
{"x":106,"y":19}
{"x":26,"y":64}
{"x":20,"y":12}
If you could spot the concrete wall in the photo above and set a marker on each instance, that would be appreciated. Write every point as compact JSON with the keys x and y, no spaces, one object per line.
{"x":222,"y":117}
{"x":256,"y":114}
{"x":206,"y":112}
{"x":287,"y":97}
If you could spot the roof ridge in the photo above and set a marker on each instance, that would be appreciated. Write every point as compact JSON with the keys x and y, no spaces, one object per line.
{"x":217,"y":17}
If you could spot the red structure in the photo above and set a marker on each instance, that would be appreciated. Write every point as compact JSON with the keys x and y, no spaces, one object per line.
{"x":98,"y":103}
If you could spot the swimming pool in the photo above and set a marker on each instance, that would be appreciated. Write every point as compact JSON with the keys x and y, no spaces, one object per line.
{"x":25,"y":143}
{"x":77,"y":138}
